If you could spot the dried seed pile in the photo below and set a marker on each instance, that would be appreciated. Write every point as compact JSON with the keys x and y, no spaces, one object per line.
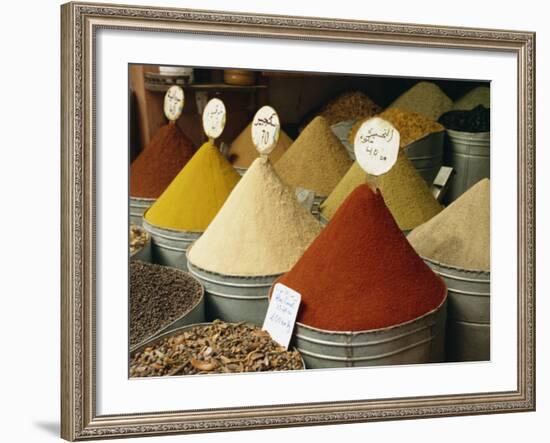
{"x":158,"y":296}
{"x":214,"y":348}
{"x":348,"y":106}
{"x":477,"y":96}
{"x":138,"y":238}
{"x":476,"y":120}
{"x":425,"y":98}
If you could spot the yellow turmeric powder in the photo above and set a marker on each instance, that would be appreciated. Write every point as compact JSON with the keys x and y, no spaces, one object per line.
{"x":196,"y":194}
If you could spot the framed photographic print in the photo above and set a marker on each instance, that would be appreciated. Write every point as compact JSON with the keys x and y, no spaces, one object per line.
{"x":254,"y":207}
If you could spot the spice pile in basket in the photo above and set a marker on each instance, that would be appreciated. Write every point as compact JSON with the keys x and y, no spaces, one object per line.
{"x":158,"y":296}
{"x":361,"y":273}
{"x":214,"y":348}
{"x":349,"y":106}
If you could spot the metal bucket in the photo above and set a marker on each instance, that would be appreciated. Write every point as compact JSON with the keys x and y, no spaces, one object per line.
{"x":324,"y":221}
{"x":138,"y":206}
{"x":143,"y":254}
{"x":141,"y":347}
{"x":417,"y":341}
{"x":426,"y":155}
{"x":341,"y":130}
{"x":469,"y":155}
{"x":168,"y":246}
{"x":195,"y":315}
{"x":469,"y":303}
{"x":234,"y":299}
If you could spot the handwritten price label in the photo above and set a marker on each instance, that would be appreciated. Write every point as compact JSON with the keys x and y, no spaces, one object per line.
{"x":376,"y":146}
{"x":213,"y":118}
{"x":281,"y":314}
{"x":173,"y":102}
{"x":265,"y":129}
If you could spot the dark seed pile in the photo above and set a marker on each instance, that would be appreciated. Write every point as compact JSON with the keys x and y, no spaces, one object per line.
{"x":476,"y":120}
{"x":214,"y":348}
{"x":158,"y":296}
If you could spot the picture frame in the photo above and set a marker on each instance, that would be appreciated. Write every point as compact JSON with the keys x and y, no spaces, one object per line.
{"x":79,"y":401}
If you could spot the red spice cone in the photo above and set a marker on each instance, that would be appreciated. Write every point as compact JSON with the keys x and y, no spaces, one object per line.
{"x":361,"y":273}
{"x":156,"y":166}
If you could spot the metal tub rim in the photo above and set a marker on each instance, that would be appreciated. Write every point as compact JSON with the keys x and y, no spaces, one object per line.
{"x":145,"y":344}
{"x":211,"y":275}
{"x":423,"y":138}
{"x":176,"y":232}
{"x":481,"y":272}
{"x":377,"y":330}
{"x":159,"y":332}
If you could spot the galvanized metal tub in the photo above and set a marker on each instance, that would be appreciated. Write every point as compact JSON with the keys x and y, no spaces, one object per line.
{"x":469,"y":316}
{"x":469,"y":155}
{"x":141,"y":347}
{"x":426,"y":155}
{"x":169,"y":246}
{"x":143,"y":254}
{"x":341,"y":130}
{"x":138,"y":206}
{"x":234,"y":299}
{"x":417,"y":341}
{"x":196,"y":314}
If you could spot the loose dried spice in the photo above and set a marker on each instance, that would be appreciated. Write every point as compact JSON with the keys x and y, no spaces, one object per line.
{"x":477,"y":96}
{"x":158,"y":296}
{"x":317,"y":160}
{"x":460,"y":234}
{"x":412,"y":126}
{"x":361,"y":273}
{"x":214,"y":348}
{"x":243,"y":151}
{"x":425,"y":98}
{"x":405,"y":193}
{"x":260,"y":230}
{"x":476,"y":120}
{"x":138,"y":238}
{"x":349,"y":106}
{"x":196,"y":194}
{"x":156,"y":166}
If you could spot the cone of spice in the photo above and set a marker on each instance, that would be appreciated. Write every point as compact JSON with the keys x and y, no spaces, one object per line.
{"x":361,"y":273}
{"x":242,"y":151}
{"x":261,"y":230}
{"x":459,"y":236}
{"x":196,"y":194}
{"x":412,"y":126}
{"x":316,"y":160}
{"x":156,"y":166}
{"x":405,"y":193}
{"x":349,"y":105}
{"x":425,"y":98}
{"x":477,"y":96}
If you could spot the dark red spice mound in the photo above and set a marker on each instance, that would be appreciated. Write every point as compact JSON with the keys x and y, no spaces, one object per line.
{"x":361,"y":273}
{"x":156,"y":166}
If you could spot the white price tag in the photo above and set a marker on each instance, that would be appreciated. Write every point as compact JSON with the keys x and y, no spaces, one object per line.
{"x":265,"y":129}
{"x":281,"y":314}
{"x":173,"y":102}
{"x":376,"y":146}
{"x":213,"y":118}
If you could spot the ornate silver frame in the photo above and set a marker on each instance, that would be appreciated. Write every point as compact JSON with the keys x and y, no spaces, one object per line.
{"x":80,"y":21}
